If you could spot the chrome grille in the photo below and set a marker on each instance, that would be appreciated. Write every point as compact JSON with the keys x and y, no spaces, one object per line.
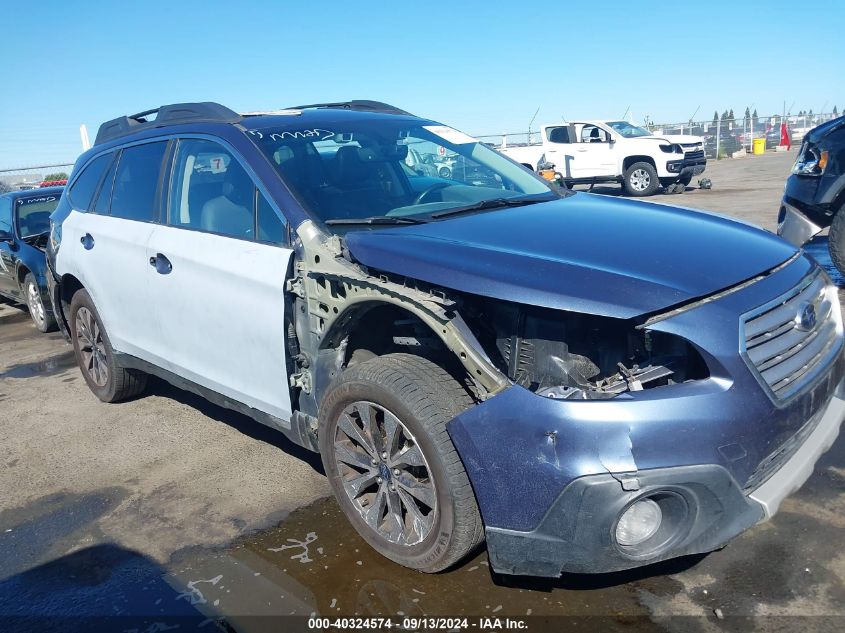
{"x":786,"y":347}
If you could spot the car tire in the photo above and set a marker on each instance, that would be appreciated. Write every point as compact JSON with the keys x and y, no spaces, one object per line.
{"x":105,"y":376}
{"x":641,"y":180}
{"x":836,"y":240}
{"x":41,"y":316}
{"x":409,"y":399}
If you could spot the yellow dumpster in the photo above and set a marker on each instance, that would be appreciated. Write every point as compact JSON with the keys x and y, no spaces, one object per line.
{"x":759,"y":146}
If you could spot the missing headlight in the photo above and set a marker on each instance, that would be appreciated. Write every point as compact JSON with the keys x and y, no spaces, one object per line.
{"x":578,"y":356}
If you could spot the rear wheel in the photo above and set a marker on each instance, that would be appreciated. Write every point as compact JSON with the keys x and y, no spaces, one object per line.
{"x":392,"y":464}
{"x":42,"y":319}
{"x":836,"y":240}
{"x":109,"y":380}
{"x":641,"y":180}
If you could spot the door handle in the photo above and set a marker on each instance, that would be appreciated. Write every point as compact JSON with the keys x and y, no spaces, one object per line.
{"x":87,"y":241}
{"x":161,"y":264}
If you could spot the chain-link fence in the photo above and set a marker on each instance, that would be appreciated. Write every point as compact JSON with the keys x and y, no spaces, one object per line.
{"x":17,"y":178}
{"x":724,"y":136}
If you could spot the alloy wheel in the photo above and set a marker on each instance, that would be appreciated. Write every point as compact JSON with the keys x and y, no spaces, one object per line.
{"x":33,"y":301}
{"x":92,"y":348}
{"x":384,"y":473}
{"x":640,"y":180}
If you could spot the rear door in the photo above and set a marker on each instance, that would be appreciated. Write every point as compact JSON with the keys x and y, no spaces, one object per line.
{"x":105,"y":238}
{"x":218,"y":279}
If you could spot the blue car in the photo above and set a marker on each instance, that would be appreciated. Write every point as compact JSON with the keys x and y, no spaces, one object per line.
{"x":24,"y":227}
{"x":588,"y":384}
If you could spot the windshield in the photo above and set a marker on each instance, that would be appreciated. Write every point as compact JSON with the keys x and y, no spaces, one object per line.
{"x":628,"y":130}
{"x":33,"y":214}
{"x":394,"y":168}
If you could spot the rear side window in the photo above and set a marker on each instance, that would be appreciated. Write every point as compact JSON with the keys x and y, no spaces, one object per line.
{"x":83,"y":188}
{"x":103,"y":201}
{"x":136,"y":182}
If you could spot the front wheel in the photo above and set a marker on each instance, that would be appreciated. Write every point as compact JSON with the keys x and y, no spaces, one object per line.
{"x":836,"y":240}
{"x":641,"y":180}
{"x":392,"y":464}
{"x":42,"y":319}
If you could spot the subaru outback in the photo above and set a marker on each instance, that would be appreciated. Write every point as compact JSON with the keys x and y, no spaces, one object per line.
{"x":588,"y":384}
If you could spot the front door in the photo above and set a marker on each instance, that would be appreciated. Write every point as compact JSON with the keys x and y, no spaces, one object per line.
{"x":593,"y":155}
{"x":218,"y":268}
{"x":8,"y":285}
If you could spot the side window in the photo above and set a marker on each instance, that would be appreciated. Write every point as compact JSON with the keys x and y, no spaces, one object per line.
{"x":593,"y":134}
{"x":558,"y":134}
{"x":270,"y":228}
{"x":6,"y":215}
{"x":136,"y":181}
{"x":103,"y":202}
{"x":83,"y":188}
{"x":211,"y":191}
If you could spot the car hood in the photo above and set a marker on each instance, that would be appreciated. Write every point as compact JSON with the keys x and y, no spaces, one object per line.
{"x":586,"y":253}
{"x":681,"y":139}
{"x":820,"y":131}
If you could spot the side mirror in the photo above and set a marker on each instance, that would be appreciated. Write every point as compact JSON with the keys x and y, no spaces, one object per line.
{"x":5,"y":236}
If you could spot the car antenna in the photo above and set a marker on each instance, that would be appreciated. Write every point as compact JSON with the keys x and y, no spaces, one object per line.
{"x":624,"y":114}
{"x":531,"y":122}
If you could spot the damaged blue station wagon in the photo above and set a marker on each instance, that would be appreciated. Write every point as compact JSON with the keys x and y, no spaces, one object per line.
{"x":589,"y":384}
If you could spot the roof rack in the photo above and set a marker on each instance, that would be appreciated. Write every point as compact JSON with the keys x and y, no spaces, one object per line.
{"x":357,"y":104}
{"x":206,"y":111}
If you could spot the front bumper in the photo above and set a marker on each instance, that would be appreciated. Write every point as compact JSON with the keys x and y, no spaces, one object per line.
{"x":54,"y":291}
{"x":552,"y":476}
{"x":795,"y":227}
{"x":687,"y":166}
{"x":576,"y":535}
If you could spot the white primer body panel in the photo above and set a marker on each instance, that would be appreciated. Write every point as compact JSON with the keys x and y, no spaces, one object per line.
{"x":115,"y":272}
{"x":220,"y":315}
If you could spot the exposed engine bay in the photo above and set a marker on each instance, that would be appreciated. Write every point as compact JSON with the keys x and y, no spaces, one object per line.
{"x":570,"y":355}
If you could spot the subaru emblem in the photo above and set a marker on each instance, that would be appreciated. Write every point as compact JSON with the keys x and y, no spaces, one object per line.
{"x":806,"y":317}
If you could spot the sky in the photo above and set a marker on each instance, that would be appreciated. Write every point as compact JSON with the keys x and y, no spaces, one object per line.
{"x":482,"y":67}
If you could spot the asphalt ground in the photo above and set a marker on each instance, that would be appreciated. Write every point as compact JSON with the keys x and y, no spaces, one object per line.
{"x":131,"y":516}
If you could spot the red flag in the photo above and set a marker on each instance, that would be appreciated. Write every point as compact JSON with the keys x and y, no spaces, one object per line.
{"x":784,"y":136}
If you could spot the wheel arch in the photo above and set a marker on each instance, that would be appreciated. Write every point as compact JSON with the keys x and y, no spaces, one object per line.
{"x":22,"y":272}
{"x":639,"y":158}
{"x":370,"y":326}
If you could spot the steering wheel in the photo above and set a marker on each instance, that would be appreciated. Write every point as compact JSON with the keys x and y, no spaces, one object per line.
{"x":435,"y":187}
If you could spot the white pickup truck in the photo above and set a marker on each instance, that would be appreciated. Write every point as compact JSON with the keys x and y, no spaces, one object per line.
{"x":589,"y":152}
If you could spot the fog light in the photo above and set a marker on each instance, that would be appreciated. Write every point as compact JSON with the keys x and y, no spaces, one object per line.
{"x":638,"y":523}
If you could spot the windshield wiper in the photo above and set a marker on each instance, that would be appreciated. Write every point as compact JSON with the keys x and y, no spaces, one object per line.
{"x":377,"y":219}
{"x":493,"y":203}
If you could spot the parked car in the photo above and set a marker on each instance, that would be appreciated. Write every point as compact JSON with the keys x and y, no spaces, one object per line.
{"x":814,"y":197}
{"x":24,"y":227}
{"x":588,"y":383}
{"x":589,"y":152}
{"x":728,"y":143}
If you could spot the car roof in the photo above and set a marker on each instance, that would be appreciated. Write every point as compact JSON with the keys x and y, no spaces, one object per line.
{"x":126,"y":127}
{"x":299,"y":119}
{"x":33,"y":193}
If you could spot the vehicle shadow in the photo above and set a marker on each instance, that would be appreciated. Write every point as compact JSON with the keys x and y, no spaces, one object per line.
{"x":617,"y":190}
{"x":102,"y":587}
{"x":242,"y":423}
{"x":581,"y":582}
